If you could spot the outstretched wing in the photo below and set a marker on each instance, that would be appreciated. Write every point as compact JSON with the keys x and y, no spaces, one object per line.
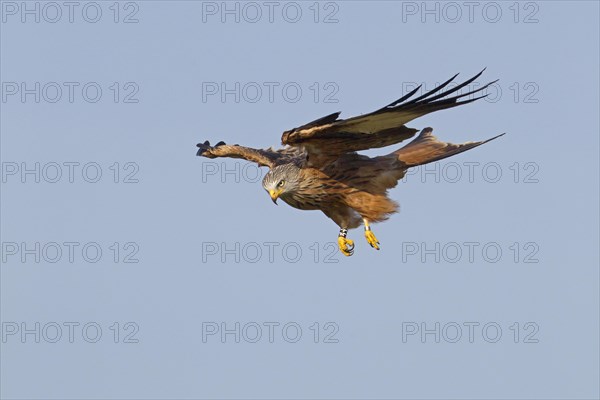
{"x":264,"y":158}
{"x":325,"y":139}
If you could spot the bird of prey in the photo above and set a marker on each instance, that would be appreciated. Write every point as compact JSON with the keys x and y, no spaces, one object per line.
{"x":319,"y":167}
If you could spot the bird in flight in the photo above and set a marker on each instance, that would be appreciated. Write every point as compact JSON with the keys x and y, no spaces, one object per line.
{"x":319,"y":167}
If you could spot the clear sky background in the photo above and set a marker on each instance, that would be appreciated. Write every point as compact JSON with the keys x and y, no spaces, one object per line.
{"x":487,"y":282}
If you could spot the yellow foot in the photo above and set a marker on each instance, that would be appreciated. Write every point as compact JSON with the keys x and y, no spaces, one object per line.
{"x":370,"y":236}
{"x":346,"y":246}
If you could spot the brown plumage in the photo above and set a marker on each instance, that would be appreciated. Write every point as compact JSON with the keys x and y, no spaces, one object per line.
{"x":320,"y":169}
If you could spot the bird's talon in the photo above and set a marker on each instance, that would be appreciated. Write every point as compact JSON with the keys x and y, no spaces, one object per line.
{"x":371,"y":239}
{"x":346,"y":246}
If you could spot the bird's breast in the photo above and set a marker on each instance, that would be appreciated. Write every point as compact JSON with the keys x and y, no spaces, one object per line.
{"x":302,"y":202}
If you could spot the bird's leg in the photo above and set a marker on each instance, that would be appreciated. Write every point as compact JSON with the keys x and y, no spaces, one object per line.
{"x":370,"y":236}
{"x":346,"y":245}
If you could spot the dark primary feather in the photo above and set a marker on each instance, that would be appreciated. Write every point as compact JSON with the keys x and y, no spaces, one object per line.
{"x":415,"y":90}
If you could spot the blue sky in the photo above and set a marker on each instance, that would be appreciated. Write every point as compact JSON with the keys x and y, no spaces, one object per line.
{"x":138,"y":267}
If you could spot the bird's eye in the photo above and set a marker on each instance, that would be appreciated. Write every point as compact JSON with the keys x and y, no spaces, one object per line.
{"x":281,"y":183}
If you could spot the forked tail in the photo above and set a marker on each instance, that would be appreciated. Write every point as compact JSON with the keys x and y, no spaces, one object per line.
{"x":427,"y":148}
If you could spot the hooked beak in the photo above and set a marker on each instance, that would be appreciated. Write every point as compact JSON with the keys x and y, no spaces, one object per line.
{"x":274,"y":195}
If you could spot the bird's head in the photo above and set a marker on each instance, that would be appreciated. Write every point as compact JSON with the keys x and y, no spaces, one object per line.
{"x":281,"y":180}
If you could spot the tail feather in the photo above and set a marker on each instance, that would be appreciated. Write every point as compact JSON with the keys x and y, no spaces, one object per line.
{"x":426,"y":148}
